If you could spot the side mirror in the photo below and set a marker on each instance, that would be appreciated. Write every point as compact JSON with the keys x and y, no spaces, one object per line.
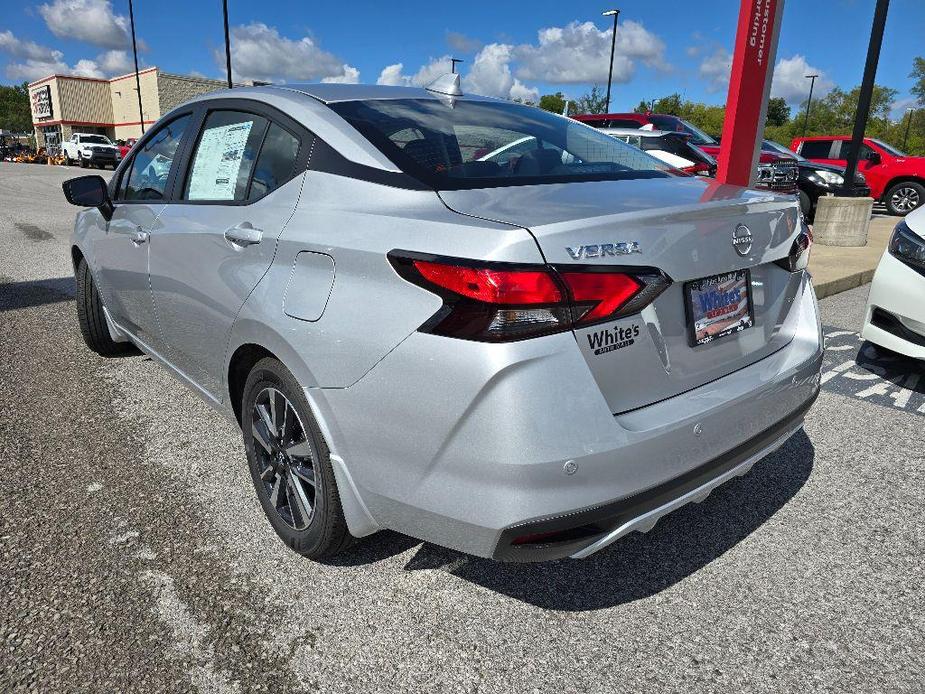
{"x":89,"y":191}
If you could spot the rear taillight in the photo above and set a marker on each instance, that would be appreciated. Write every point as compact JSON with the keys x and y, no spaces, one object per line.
{"x":502,"y":302}
{"x":798,"y":258}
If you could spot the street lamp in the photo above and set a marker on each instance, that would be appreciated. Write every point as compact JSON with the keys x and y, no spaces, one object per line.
{"x":908,"y":124}
{"x":809,"y":100}
{"x":453,"y":62}
{"x":613,"y":45}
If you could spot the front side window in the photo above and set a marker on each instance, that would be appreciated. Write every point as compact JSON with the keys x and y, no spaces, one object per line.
{"x":146,"y":179}
{"x":463,"y":144}
{"x":816,"y":149}
{"x":225,"y":155}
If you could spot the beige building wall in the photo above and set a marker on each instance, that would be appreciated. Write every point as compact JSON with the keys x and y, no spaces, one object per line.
{"x":124,"y":100}
{"x":83,"y":101}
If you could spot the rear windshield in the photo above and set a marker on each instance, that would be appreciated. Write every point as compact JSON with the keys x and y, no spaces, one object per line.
{"x":454,"y":144}
{"x":673,"y":123}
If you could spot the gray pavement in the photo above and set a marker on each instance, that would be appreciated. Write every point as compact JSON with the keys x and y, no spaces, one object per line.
{"x":135,"y":557}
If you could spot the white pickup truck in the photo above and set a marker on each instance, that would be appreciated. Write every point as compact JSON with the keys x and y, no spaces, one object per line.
{"x":90,"y":150}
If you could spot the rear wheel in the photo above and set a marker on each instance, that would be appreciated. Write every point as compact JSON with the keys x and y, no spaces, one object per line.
{"x":904,"y":197}
{"x":90,"y":316}
{"x":290,"y":464}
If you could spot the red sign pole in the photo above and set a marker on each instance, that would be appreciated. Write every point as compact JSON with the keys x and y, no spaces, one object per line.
{"x":749,"y":87}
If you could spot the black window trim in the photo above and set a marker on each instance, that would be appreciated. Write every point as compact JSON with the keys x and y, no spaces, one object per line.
{"x":305,"y":137}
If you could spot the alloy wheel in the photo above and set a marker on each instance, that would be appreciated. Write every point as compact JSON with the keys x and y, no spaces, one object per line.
{"x":905,"y":199}
{"x":285,"y":458}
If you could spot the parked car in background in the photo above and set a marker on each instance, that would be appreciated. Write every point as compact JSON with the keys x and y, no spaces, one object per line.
{"x":578,"y":343}
{"x":126,"y":145}
{"x":90,"y":150}
{"x":815,"y":179}
{"x":895,"y":317}
{"x":673,"y":148}
{"x":895,"y":179}
{"x":774,"y":172}
{"x":655,"y":121}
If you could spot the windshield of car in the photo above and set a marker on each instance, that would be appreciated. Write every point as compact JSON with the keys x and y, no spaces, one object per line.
{"x":890,"y":149}
{"x":95,"y":139}
{"x":771,"y":146}
{"x":675,"y":124}
{"x":455,"y":144}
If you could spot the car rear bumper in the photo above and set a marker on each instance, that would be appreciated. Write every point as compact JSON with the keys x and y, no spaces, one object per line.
{"x":484,"y":446}
{"x":895,"y":316}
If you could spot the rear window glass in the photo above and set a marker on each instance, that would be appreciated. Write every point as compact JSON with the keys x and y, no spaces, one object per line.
{"x":478,"y":144}
{"x":816,"y":149}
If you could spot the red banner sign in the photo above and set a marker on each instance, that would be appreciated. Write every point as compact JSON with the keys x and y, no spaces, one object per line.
{"x":749,"y":87}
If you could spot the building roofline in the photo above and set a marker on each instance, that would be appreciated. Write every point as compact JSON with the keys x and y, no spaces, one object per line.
{"x":89,"y":79}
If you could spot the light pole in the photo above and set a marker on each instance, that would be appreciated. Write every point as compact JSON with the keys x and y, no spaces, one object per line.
{"x":453,"y":62}
{"x":227,"y":43}
{"x":812,"y":83}
{"x":141,"y":113}
{"x":613,"y":46}
{"x":909,"y":110}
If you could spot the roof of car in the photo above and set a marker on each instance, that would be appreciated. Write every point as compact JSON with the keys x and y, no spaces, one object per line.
{"x":826,"y":137}
{"x":639,"y":131}
{"x":329,"y":93}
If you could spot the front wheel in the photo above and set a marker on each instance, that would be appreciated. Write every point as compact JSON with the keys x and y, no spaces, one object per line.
{"x":904,"y":197}
{"x":90,"y":316}
{"x":290,"y":464}
{"x":83,"y":162}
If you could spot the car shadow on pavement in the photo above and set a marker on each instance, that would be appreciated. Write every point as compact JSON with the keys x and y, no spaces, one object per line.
{"x":17,"y":295}
{"x":641,"y":565}
{"x":890,"y":366}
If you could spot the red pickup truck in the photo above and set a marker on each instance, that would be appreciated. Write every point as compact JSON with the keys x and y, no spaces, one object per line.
{"x":895,"y":179}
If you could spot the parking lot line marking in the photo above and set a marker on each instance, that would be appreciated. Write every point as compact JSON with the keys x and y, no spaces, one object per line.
{"x":829,"y":375}
{"x":901,"y":399}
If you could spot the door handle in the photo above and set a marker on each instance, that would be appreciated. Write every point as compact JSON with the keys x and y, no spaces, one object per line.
{"x":244,"y":235}
{"x":140,"y":236}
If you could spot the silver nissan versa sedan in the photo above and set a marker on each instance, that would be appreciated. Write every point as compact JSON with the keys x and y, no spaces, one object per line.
{"x":468,"y":320}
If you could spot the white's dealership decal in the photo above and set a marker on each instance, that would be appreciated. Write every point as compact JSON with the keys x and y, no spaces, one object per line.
{"x":609,"y":339}
{"x":859,"y":369}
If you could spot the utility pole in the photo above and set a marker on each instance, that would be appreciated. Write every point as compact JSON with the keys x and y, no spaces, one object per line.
{"x":910,"y":111}
{"x":227,"y":44}
{"x":812,"y":84}
{"x":864,"y":98}
{"x":141,"y":113}
{"x":613,"y":46}
{"x":453,"y":62}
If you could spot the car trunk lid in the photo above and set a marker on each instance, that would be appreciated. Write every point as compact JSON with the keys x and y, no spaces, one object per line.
{"x":683,"y":227}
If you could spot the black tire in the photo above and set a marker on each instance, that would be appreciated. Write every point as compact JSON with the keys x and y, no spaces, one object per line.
{"x":326,"y":532}
{"x":908,"y":195}
{"x":82,"y":161}
{"x":91,"y":319}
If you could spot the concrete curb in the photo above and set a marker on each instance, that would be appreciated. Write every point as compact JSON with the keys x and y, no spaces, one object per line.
{"x":843,"y":284}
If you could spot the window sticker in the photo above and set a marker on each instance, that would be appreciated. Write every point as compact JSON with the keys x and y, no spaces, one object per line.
{"x":218,"y":162}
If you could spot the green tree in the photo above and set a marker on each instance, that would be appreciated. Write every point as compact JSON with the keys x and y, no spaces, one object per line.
{"x":554,"y":103}
{"x":670,"y":105}
{"x":594,"y":101}
{"x":15,"y":114}
{"x":778,"y":111}
{"x":644,"y":106}
{"x":918,"y":74}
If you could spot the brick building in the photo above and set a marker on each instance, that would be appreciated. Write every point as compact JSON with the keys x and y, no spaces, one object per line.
{"x":66,"y":104}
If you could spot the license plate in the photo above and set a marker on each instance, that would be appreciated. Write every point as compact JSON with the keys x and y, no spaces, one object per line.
{"x":719,"y":306}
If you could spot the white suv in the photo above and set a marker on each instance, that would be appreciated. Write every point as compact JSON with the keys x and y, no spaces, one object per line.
{"x":87,"y":150}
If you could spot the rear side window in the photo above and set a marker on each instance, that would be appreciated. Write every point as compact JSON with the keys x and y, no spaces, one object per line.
{"x":623,"y":123}
{"x":225,"y":155}
{"x":816,"y":149}
{"x":146,"y":179}
{"x":275,"y":163}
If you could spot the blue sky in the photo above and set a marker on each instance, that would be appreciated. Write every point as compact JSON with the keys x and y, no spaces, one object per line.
{"x":511,"y":49}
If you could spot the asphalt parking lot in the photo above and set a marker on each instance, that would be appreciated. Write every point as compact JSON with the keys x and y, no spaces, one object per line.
{"x":134,"y":555}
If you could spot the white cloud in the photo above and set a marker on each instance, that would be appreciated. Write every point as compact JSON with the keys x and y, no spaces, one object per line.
{"x":715,"y":69}
{"x":26,"y":49}
{"x":41,"y":61}
{"x":258,"y":52}
{"x":115,"y":62}
{"x":93,"y":21}
{"x":580,"y":53}
{"x":351,"y":75}
{"x":392,"y":76}
{"x":490,"y":75}
{"x":898,"y":107}
{"x":462,"y":43}
{"x":790,"y":81}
